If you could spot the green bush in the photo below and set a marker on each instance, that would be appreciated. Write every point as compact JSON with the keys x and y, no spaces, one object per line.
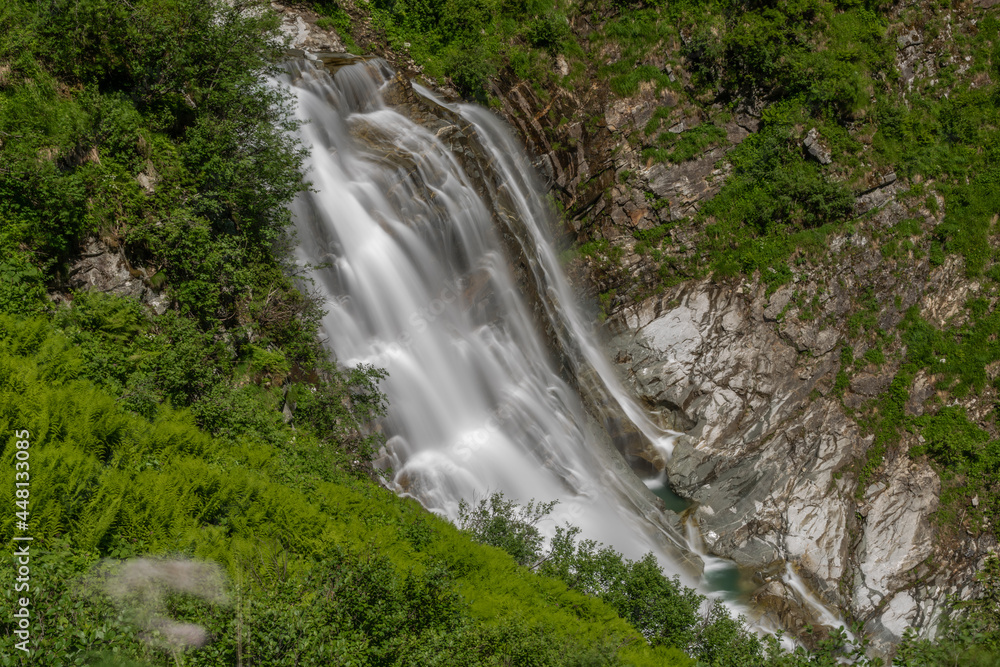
{"x":506,"y":525}
{"x":685,"y":145}
{"x":98,"y":95}
{"x":773,"y":195}
{"x":471,"y":41}
{"x":22,"y":288}
{"x":666,"y":612}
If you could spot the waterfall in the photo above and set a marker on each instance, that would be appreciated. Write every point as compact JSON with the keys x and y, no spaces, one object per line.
{"x":415,"y":280}
{"x":427,"y":237}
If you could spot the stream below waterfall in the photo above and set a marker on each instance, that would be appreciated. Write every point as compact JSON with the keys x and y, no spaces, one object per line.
{"x":427,"y":237}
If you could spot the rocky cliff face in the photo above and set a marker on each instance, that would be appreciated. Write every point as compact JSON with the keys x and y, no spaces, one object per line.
{"x":770,"y":456}
{"x":102,"y":267}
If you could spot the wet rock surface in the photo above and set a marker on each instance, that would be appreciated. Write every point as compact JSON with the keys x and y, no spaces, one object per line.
{"x":896,"y":539}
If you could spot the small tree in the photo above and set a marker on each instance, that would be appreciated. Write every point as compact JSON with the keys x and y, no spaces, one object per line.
{"x":506,"y":525}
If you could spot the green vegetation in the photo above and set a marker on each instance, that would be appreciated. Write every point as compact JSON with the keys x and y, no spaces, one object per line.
{"x":889,"y":417}
{"x":650,"y":238}
{"x":606,"y":269}
{"x":956,"y":142}
{"x":468,"y":41}
{"x":967,"y":456}
{"x":814,"y":64}
{"x":326,"y":566}
{"x":805,"y":64}
{"x":969,"y":463}
{"x":661,"y":608}
{"x":333,"y":17}
{"x":775,"y":201}
{"x":964,"y":453}
{"x":151,"y":126}
{"x":636,"y":31}
{"x":685,"y":145}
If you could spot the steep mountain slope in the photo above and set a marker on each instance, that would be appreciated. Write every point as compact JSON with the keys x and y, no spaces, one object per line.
{"x":786,"y":212}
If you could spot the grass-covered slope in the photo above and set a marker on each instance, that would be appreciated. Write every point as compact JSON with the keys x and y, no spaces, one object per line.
{"x":323,"y":568}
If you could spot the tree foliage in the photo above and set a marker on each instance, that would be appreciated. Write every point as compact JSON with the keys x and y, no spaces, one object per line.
{"x":153,"y":125}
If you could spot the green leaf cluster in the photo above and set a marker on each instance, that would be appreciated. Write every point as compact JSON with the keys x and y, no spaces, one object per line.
{"x":775,"y":201}
{"x":469,"y":41}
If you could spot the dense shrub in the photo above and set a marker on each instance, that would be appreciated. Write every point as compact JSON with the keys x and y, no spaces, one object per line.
{"x":470,"y":41}
{"x":667,"y":613}
{"x":153,"y":125}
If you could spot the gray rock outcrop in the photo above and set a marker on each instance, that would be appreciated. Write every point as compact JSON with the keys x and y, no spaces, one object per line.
{"x":102,"y":268}
{"x":815,"y":148}
{"x":769,"y":455}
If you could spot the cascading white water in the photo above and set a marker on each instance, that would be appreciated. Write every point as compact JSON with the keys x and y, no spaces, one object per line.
{"x":526,"y":192}
{"x":415,"y":283}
